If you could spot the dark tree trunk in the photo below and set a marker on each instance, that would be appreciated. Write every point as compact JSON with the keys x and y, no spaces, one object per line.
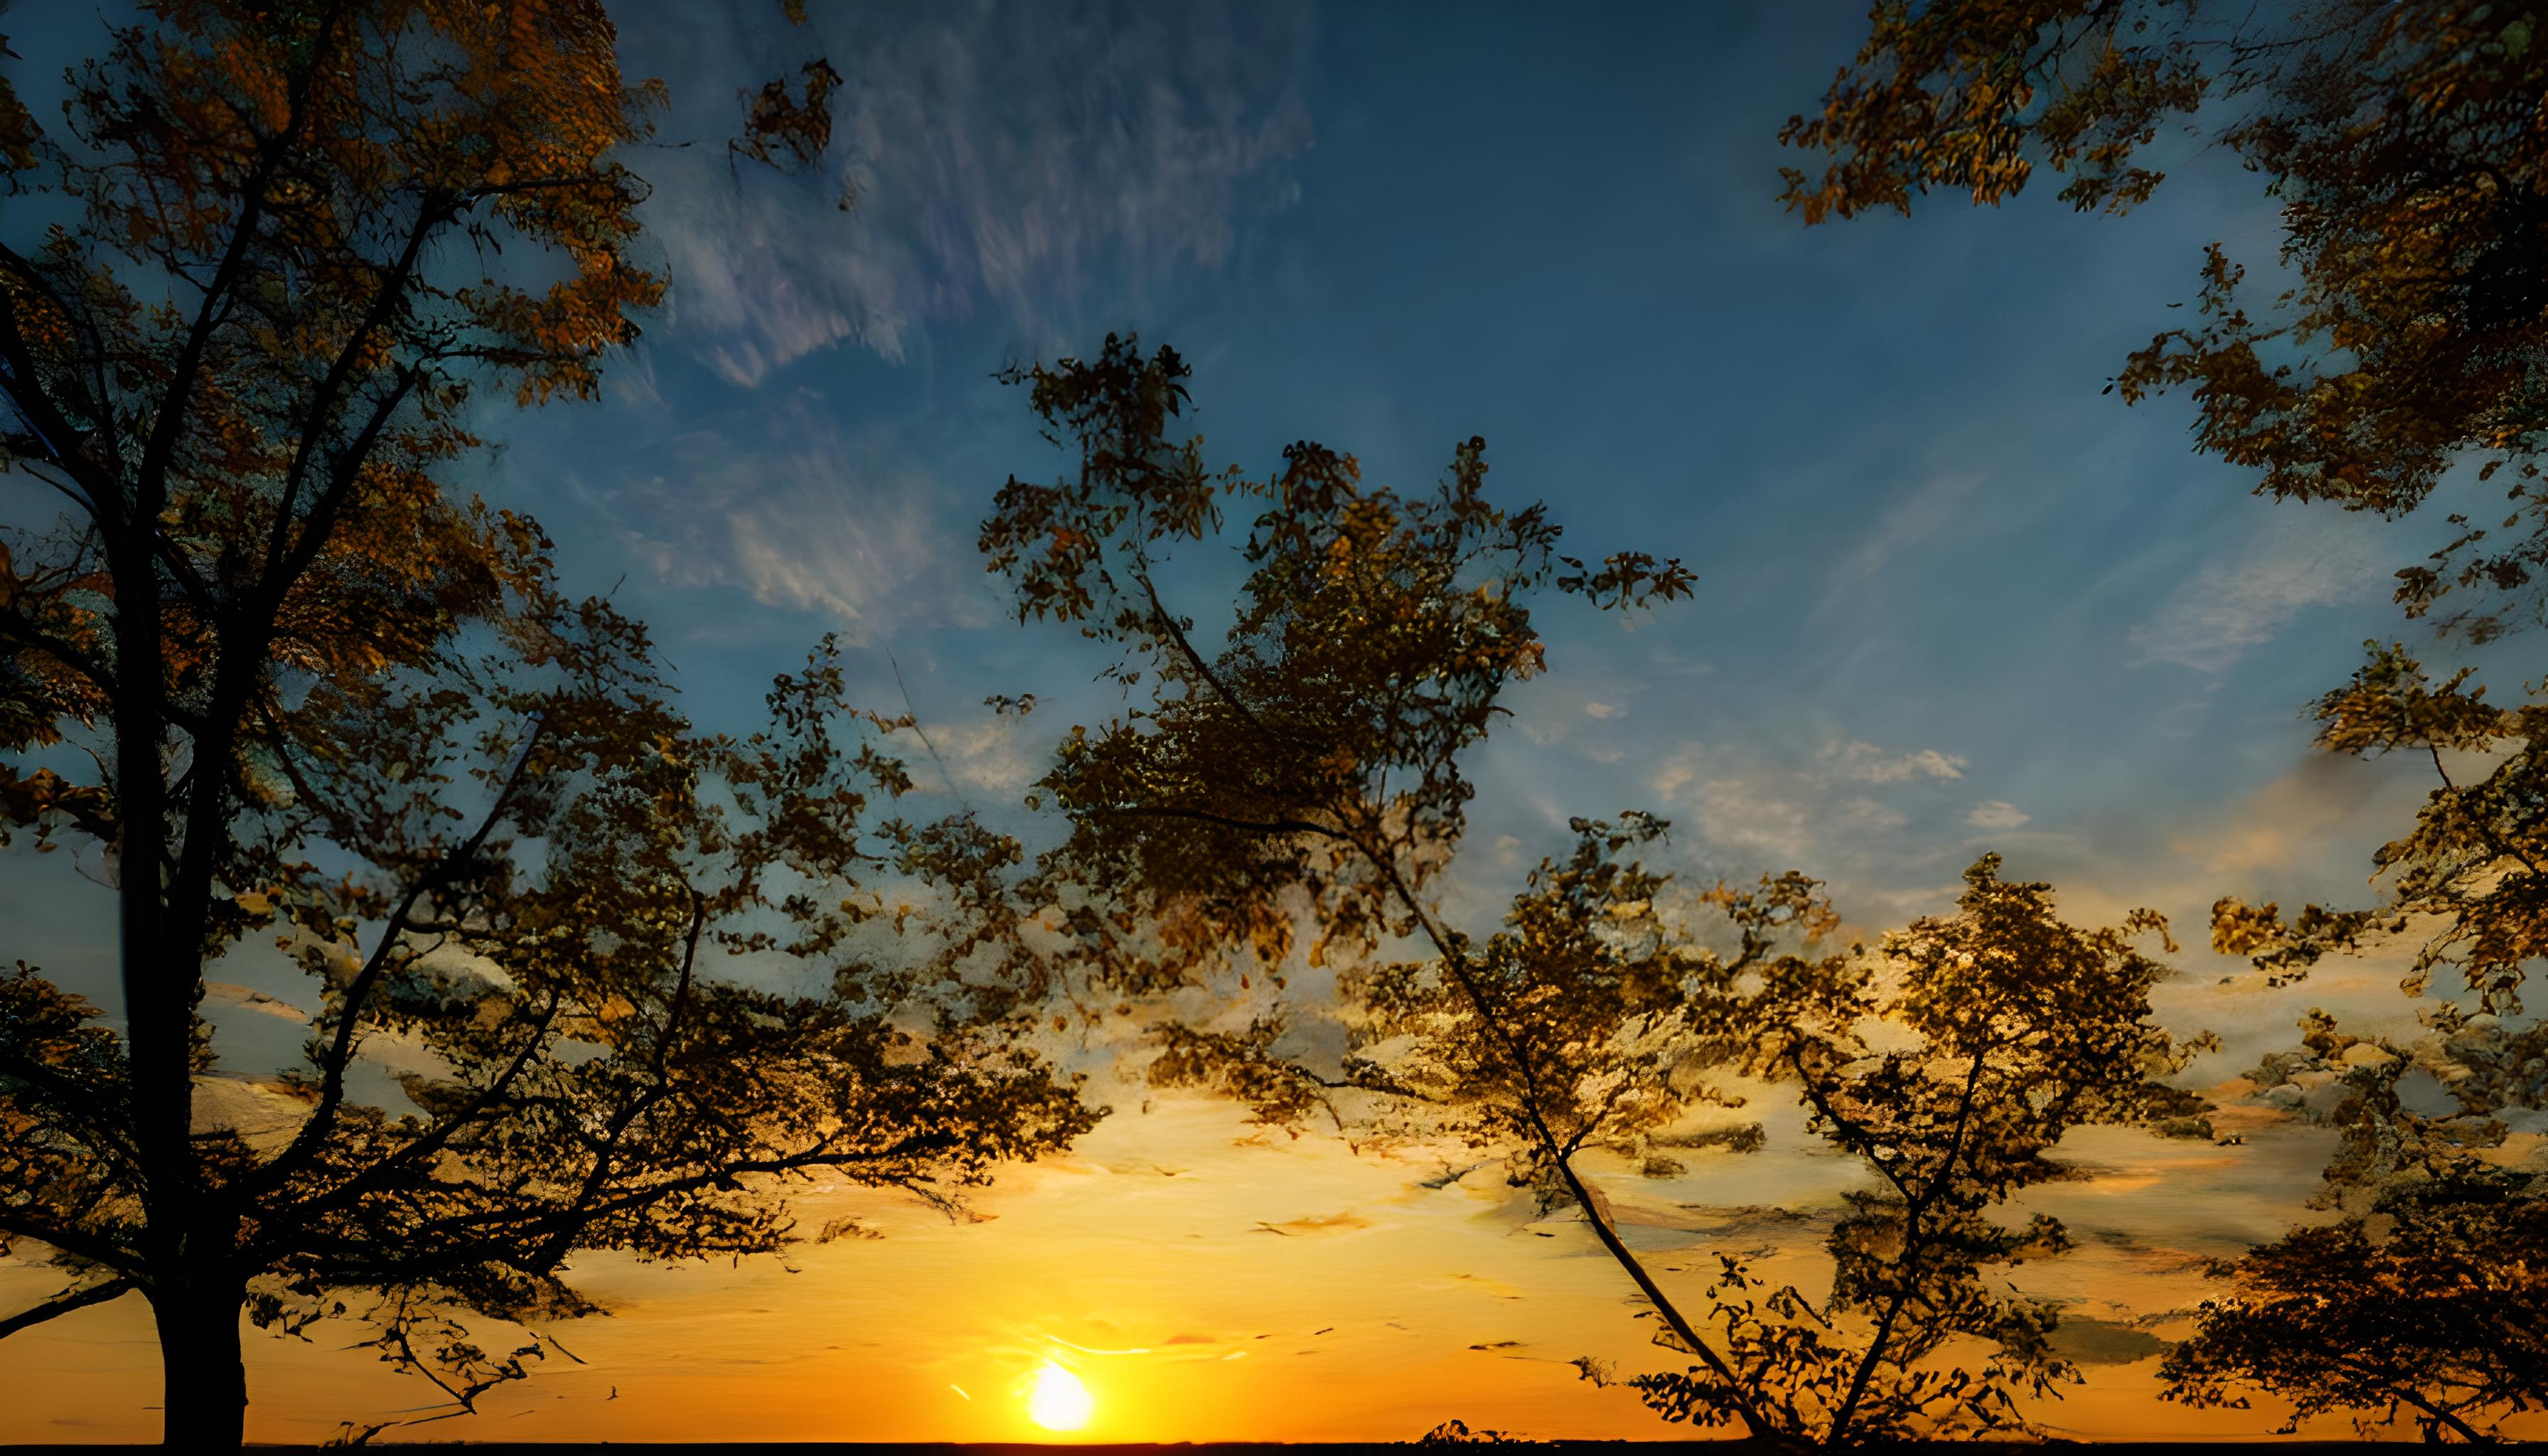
{"x":205,"y":1401}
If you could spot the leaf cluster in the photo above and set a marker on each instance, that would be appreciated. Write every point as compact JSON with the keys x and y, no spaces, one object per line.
{"x":2429,"y":1301}
{"x":1315,"y":751}
{"x":1951,"y":1062}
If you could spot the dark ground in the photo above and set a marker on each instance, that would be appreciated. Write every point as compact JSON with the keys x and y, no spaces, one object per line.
{"x":1243,"y":1448}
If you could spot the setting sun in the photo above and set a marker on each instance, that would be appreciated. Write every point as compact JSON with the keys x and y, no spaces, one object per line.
{"x":1058,"y":1400}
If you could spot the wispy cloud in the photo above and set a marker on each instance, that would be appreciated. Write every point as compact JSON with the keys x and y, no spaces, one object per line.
{"x":1911,"y":518}
{"x":999,"y":157}
{"x":846,"y":527}
{"x":2232,"y":607}
{"x":1814,"y":816}
{"x":991,"y":754}
{"x":1739,"y":811}
{"x":1997,"y":814}
{"x":1867,"y":763}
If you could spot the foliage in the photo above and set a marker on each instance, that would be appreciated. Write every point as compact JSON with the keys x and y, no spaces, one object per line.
{"x":346,"y":721}
{"x":791,"y":132}
{"x":1316,"y":753}
{"x":1307,"y":771}
{"x":2470,"y":866}
{"x":1619,"y":1015}
{"x":2405,"y":145}
{"x":1595,"y":1018}
{"x":2430,"y":1301}
{"x":1458,"y":1433}
{"x":2405,"y":142}
{"x":1967,"y":94}
{"x":2466,"y":880}
{"x":1309,"y":768}
{"x":2349,"y":1083}
{"x":1951,"y":1063}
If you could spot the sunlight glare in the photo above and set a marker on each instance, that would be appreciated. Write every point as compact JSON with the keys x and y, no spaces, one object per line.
{"x":1059,"y":1402}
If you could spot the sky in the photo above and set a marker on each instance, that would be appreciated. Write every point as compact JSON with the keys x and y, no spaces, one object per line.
{"x":1951,"y":598}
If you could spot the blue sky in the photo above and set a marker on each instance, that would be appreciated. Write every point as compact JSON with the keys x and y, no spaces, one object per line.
{"x":1948,"y":591}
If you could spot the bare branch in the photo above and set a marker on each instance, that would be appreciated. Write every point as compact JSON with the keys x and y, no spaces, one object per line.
{"x":66,"y":1301}
{"x":331,"y":1093}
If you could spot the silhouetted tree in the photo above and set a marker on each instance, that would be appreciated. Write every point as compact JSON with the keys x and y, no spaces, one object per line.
{"x":1302,"y":777}
{"x":2403,"y":143}
{"x":1951,"y":1062}
{"x":1604,"y":984}
{"x":2430,"y":1301}
{"x":2472,"y":865}
{"x":299,"y":695}
{"x":2402,"y":140}
{"x":1307,"y":766}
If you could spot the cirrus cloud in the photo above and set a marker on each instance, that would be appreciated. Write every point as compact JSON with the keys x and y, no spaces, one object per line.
{"x":998,"y":156}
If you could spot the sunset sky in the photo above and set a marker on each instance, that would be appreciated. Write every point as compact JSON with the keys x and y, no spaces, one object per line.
{"x":1951,"y":599}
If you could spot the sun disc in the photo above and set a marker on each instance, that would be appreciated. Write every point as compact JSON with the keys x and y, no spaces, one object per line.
{"x":1058,"y":1400}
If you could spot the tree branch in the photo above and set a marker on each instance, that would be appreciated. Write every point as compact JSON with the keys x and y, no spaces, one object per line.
{"x":27,"y":393}
{"x":66,"y":1301}
{"x":170,"y":417}
{"x":297,"y":1216}
{"x":1913,"y":1245}
{"x":605,"y":1158}
{"x":1201,"y":816}
{"x":73,"y":1102}
{"x":331,"y":1093}
{"x":2485,"y":830}
{"x":1455,"y":960}
{"x":432,"y":210}
{"x":89,"y":1247}
{"x":502,"y":1235}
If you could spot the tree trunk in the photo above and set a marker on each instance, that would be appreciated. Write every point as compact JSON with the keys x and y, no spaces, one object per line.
{"x":205,"y":1382}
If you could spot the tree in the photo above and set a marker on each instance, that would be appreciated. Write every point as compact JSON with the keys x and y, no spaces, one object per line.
{"x":2403,"y":143}
{"x":2431,"y":1302}
{"x":332,"y":707}
{"x":1301,"y":782}
{"x":1597,"y":979}
{"x":2471,"y":867}
{"x":2421,"y":1295}
{"x":1306,"y":770}
{"x":1603,"y":982}
{"x":2402,"y":140}
{"x":1951,"y":1063}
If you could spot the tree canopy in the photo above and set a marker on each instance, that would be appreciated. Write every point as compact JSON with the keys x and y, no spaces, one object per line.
{"x":312,"y":710}
{"x":1951,"y":1063}
{"x":2405,"y":145}
{"x":1286,"y":803}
